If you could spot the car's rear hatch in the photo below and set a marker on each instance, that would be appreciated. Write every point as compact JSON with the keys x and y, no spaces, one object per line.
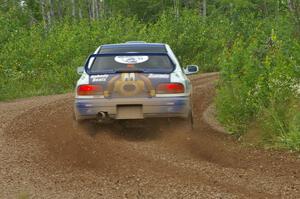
{"x":125,"y":75}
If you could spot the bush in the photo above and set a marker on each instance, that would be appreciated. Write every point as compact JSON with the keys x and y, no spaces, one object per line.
{"x":259,"y":83}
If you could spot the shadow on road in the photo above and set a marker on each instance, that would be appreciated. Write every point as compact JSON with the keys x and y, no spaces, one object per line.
{"x":130,"y":130}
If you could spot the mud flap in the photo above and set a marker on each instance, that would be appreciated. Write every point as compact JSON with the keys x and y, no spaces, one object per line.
{"x":189,"y":121}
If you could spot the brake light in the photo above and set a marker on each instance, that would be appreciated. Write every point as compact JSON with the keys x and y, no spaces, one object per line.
{"x":170,"y":88}
{"x":89,"y":90}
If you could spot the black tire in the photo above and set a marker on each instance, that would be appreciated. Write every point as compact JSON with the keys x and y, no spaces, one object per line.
{"x":185,"y":124}
{"x":189,"y":121}
{"x":76,"y":122}
{"x":83,"y":124}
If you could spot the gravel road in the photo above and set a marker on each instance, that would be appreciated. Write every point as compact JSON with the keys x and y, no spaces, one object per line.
{"x":44,"y":154}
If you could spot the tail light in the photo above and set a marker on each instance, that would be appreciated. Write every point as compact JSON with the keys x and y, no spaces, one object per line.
{"x":89,"y":90}
{"x":170,"y":88}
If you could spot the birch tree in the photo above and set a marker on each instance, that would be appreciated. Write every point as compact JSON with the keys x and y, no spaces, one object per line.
{"x":43,"y":11}
{"x":73,"y":10}
{"x":51,"y":11}
{"x":59,"y":10}
{"x":204,"y":7}
{"x":176,"y":7}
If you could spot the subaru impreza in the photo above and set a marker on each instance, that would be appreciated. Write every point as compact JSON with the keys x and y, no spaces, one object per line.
{"x":133,"y":80}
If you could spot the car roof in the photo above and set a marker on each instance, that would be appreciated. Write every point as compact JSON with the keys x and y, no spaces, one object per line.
{"x":133,"y":47}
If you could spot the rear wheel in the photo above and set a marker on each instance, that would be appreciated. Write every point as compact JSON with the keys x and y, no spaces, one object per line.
{"x":76,"y":121}
{"x":182,"y":124}
{"x":86,"y":126}
{"x":189,"y":121}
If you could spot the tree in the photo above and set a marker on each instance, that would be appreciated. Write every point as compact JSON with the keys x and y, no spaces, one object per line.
{"x":204,"y":7}
{"x":44,"y":15}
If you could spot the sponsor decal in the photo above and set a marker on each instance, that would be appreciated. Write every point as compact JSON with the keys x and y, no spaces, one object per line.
{"x":159,"y":76}
{"x":131,"y":59}
{"x":99,"y":78}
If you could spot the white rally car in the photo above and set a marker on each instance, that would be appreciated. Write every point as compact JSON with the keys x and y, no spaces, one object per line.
{"x":133,"y":80}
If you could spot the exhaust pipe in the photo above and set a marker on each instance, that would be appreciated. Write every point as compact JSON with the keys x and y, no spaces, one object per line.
{"x":102,"y":116}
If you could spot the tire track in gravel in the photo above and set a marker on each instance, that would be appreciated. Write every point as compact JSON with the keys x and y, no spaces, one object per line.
{"x":56,"y":158}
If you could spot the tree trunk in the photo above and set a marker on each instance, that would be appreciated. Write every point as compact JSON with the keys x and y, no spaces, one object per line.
{"x":60,"y":14}
{"x":49,"y":18}
{"x":290,"y":5}
{"x":79,"y":13}
{"x":44,"y":15}
{"x":90,"y":10}
{"x":97,"y":8}
{"x":73,"y":10}
{"x":204,"y":8}
{"x":176,"y":7}
{"x":93,"y":9}
{"x":294,"y":7}
{"x":265,"y":8}
{"x":100,"y":7}
{"x":51,"y":6}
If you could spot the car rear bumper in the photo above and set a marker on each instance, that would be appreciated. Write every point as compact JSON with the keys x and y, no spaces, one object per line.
{"x":150,"y":107}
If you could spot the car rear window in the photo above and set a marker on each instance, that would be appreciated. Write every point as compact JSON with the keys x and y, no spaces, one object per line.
{"x":152,"y":63}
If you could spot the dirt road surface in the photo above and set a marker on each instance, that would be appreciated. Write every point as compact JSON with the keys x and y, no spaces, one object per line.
{"x":44,"y":154}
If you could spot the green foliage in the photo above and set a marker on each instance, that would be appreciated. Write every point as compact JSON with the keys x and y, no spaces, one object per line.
{"x":145,"y":10}
{"x":260,"y":83}
{"x":194,"y":41}
{"x":291,"y":140}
